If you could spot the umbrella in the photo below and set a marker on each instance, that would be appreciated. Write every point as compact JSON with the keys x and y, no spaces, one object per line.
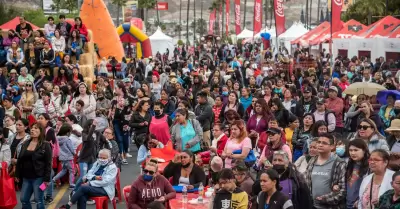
{"x":366,"y":88}
{"x":382,"y":95}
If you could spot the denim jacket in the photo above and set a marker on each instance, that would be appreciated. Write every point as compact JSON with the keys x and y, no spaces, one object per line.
{"x":109,"y":177}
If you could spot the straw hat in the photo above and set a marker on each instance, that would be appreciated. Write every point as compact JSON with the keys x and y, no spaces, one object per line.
{"x":394,"y":125}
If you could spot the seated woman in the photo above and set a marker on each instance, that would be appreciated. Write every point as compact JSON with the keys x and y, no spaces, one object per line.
{"x":24,"y":77}
{"x":15,"y":57}
{"x":66,"y":64}
{"x":47,"y":57}
{"x":39,"y":80}
{"x":58,"y":43}
{"x":61,"y":78}
{"x":75,"y":45}
{"x":144,"y":149}
{"x":32,"y":58}
{"x":160,"y":190}
{"x":81,"y":28}
{"x":7,"y":41}
{"x":184,"y":171}
{"x":99,"y":181}
{"x":76,"y":77}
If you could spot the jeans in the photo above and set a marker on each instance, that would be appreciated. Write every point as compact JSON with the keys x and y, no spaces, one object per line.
{"x":50,"y":188}
{"x":84,"y":168}
{"x":67,"y":165}
{"x":10,"y":66}
{"x":122,"y":137}
{"x":84,"y":192}
{"x":77,"y":53}
{"x":30,"y":186}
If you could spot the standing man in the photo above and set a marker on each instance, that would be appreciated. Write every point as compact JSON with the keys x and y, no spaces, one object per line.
{"x":23,"y":31}
{"x":204,"y":114}
{"x":325,"y":176}
{"x":335,"y":104}
{"x":307,"y":103}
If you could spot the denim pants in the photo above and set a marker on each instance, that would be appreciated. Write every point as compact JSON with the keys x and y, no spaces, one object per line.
{"x":77,"y":53}
{"x":84,"y":168}
{"x":67,"y":166}
{"x":84,"y":192}
{"x":29,"y":187}
{"x":50,"y":188}
{"x":122,"y":137}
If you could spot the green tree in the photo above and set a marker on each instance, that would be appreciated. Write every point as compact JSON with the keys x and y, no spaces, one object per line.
{"x":119,"y":4}
{"x":71,"y":6}
{"x":36,"y":17}
{"x":57,"y":5}
{"x":147,"y":4}
{"x":363,"y":11}
{"x":201,"y":25}
{"x":7,"y":12}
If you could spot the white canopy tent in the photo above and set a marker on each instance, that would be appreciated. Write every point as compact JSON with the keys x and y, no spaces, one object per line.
{"x":271,"y":31}
{"x":161,"y":42}
{"x":295,"y":31}
{"x":245,"y":34}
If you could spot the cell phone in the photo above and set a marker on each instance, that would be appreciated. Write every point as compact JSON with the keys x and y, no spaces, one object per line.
{"x":43,"y":186}
{"x":5,"y":132}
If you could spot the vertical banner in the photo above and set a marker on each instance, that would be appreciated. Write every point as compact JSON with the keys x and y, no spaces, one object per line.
{"x":336,"y":23}
{"x":279,"y":17}
{"x":220,"y":20}
{"x":211,"y":22}
{"x":228,"y":6}
{"x":237,"y":17}
{"x":257,"y":17}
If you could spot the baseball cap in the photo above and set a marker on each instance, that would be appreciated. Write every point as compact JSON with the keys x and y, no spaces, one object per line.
{"x":307,"y":89}
{"x":126,"y":80}
{"x":320,"y":101}
{"x":333,"y":88}
{"x":274,"y":131}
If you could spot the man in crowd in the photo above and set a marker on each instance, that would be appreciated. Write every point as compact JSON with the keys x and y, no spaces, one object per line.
{"x":204,"y":115}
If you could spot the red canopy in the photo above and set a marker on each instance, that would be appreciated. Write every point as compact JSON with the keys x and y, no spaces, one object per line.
{"x":12,"y":24}
{"x":304,"y":39}
{"x":351,"y":27}
{"x":395,"y":33}
{"x":381,"y":28}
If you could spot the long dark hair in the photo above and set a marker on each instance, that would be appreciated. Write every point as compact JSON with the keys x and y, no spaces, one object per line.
{"x":47,"y":117}
{"x":364,"y":166}
{"x":274,"y":176}
{"x":266,"y":111}
{"x":41,"y":137}
{"x":316,"y":125}
{"x":77,"y":93}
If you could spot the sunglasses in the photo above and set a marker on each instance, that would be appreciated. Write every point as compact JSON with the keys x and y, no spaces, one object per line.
{"x":271,"y":134}
{"x":147,"y":171}
{"x":363,"y":127}
{"x":29,"y":85}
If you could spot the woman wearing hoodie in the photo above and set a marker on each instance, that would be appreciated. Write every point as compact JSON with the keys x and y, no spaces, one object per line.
{"x":246,"y":98}
{"x":150,"y":187}
{"x":66,"y":156}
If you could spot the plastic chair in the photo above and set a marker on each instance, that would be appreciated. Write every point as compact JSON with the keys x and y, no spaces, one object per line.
{"x":118,"y":186}
{"x":126,"y":191}
{"x":102,"y":202}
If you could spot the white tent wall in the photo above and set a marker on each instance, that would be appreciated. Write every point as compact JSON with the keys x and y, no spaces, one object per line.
{"x":376,"y":46}
{"x":295,"y":31}
{"x":160,"y":42}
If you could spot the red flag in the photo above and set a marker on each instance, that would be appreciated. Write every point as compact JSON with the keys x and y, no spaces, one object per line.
{"x":336,"y":23}
{"x":228,"y":6}
{"x":257,"y":16}
{"x":220,"y":20}
{"x":279,"y":17}
{"x":211,"y":22}
{"x":237,"y":17}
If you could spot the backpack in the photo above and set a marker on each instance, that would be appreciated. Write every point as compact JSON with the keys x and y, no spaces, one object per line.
{"x":327,"y":112}
{"x":54,"y":146}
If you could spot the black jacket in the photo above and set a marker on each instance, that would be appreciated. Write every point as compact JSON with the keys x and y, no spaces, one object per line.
{"x":137,"y":119}
{"x":278,"y":200}
{"x":90,"y":145}
{"x":196,"y":177}
{"x":204,"y":115}
{"x":282,"y":116}
{"x":240,"y":111}
{"x":312,"y":107}
{"x":28,"y":58}
{"x":42,"y":160}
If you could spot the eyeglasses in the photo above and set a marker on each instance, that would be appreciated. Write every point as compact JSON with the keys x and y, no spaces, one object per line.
{"x":374,"y":160}
{"x":363,"y":127}
{"x":147,"y":171}
{"x":323,"y":143}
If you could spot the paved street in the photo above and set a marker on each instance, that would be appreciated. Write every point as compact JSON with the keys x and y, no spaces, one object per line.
{"x":128,"y":174}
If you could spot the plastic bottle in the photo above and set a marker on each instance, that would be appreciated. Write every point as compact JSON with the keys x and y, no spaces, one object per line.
{"x":201,"y":193}
{"x":184,"y":195}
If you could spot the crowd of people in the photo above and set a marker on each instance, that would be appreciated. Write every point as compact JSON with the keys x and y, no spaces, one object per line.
{"x":262,"y":134}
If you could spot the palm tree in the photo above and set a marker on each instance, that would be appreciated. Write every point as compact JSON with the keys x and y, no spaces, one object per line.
{"x":302,"y":16}
{"x":145,"y":4}
{"x":321,"y":18}
{"x":318,"y":8}
{"x":119,"y":4}
{"x":372,"y":7}
{"x":180,"y":17}
{"x":244,"y":13}
{"x":307,"y":14}
{"x":310,"y":12}
{"x":194,"y":21}
{"x":187,"y":22}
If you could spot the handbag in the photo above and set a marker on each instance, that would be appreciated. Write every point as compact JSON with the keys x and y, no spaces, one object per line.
{"x":250,"y":159}
{"x":7,"y":186}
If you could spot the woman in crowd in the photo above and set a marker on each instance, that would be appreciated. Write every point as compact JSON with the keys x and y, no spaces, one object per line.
{"x":147,"y":91}
{"x":378,"y":182}
{"x":11,"y":37}
{"x":3,"y":80}
{"x":290,"y":103}
{"x":75,"y":45}
{"x":386,"y":112}
{"x":5,"y":151}
{"x":66,"y":64}
{"x":160,"y":123}
{"x":144,"y":149}
{"x":88,"y":99}
{"x":302,"y":162}
{"x":150,"y":180}
{"x":24,"y":77}
{"x":99,"y":181}
{"x":15,"y":57}
{"x":58,"y":43}
{"x":34,"y":167}
{"x":357,"y":169}
{"x":238,"y":141}
{"x":280,"y":112}
{"x":367,"y":111}
{"x":390,"y":199}
{"x":319,"y":127}
{"x":293,"y":124}
{"x":271,"y":196}
{"x":45,"y":105}
{"x":39,"y":80}
{"x":184,"y":171}
{"x":21,"y":135}
{"x":246,"y":98}
{"x":32,"y":59}
{"x":187,"y":133}
{"x":233,"y":104}
{"x":354,"y":112}
{"x":368,"y":132}
{"x":81,"y":29}
{"x":156,"y":87}
{"x":258,"y":122}
{"x":28,"y":99}
{"x":75,"y":77}
{"x":184,"y":104}
{"x":169,"y":105}
{"x":47,"y":58}
{"x":302,"y":136}
{"x":61,"y":99}
{"x":217,"y":108}
{"x":140,"y":121}
{"x":61,"y":78}
{"x":274,"y":144}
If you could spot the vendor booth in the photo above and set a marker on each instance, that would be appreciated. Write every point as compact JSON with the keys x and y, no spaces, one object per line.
{"x":161,"y":42}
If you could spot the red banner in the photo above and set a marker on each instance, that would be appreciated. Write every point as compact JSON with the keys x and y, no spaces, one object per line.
{"x":336,"y":12}
{"x":228,"y":6}
{"x":220,"y":20}
{"x":237,"y":17}
{"x":211,"y":22}
{"x":161,"y":6}
{"x":257,"y":21}
{"x":279,"y":17}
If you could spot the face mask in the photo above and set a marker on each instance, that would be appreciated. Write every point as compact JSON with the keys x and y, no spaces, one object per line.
{"x":279,"y":168}
{"x":340,"y":151}
{"x":103,"y":162}
{"x":157,"y":112}
{"x":225,"y":93}
{"x":147,"y":177}
{"x":396,"y":111}
{"x":100,"y":98}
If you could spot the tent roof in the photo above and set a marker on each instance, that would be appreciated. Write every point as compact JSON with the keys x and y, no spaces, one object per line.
{"x":245,"y":34}
{"x":381,"y":28}
{"x":304,"y":39}
{"x":326,"y":34}
{"x":295,"y":31}
{"x":12,"y":24}
{"x":395,"y":32}
{"x":159,"y":35}
{"x":350,"y":28}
